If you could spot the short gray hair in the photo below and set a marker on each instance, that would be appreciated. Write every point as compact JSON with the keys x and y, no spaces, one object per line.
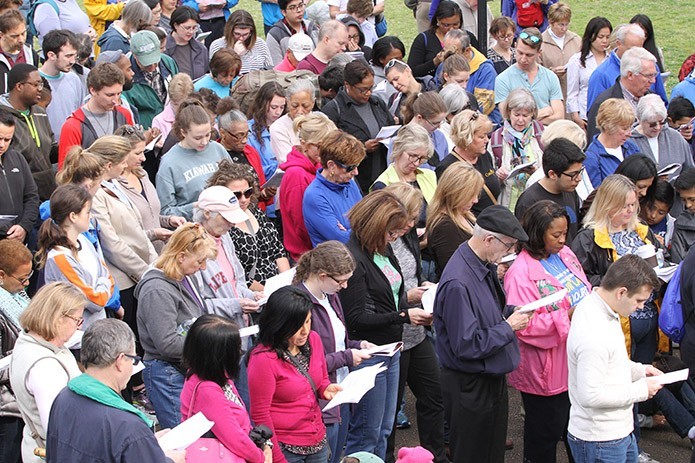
{"x":480,"y":232}
{"x":329,"y":28}
{"x":231,"y":117}
{"x":521,"y":98}
{"x":455,"y":98}
{"x":199,"y":215}
{"x":623,"y":29}
{"x":651,"y":108}
{"x":299,"y":86}
{"x":104,"y":341}
{"x":411,"y":136}
{"x":457,"y":34}
{"x":632,"y":59}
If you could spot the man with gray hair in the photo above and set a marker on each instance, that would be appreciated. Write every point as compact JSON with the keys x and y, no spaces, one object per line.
{"x":89,"y":419}
{"x":626,"y":36}
{"x":333,"y":38}
{"x":476,"y":344}
{"x":638,"y":72}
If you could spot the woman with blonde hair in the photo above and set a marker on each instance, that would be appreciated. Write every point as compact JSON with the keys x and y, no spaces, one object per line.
{"x":450,"y":217}
{"x":612,"y":145}
{"x":322,"y":272}
{"x":611,"y":230}
{"x":376,"y":307}
{"x":300,"y":170}
{"x":169,"y":304}
{"x":180,"y":88}
{"x":41,"y":365}
{"x":470,"y":132}
{"x":418,"y":364}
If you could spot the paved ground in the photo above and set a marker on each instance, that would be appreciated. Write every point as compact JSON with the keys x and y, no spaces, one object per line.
{"x":663,"y":443}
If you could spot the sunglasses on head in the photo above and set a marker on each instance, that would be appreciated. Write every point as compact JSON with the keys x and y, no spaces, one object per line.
{"x":531,"y":38}
{"x":246,"y":193}
{"x":392,"y":63}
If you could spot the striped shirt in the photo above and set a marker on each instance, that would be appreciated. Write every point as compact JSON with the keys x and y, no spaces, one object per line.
{"x":258,"y":58}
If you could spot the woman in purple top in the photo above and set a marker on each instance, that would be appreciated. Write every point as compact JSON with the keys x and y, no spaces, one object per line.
{"x":322,"y":272}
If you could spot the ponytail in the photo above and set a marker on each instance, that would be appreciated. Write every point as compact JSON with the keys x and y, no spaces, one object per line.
{"x":330,"y":257}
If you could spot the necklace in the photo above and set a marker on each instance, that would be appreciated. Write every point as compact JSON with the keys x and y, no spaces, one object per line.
{"x":104,"y":130}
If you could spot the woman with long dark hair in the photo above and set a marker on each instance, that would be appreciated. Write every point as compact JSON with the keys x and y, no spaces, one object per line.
{"x":287,"y":376}
{"x":267,"y":107}
{"x":426,"y":52}
{"x":595,"y":43}
{"x":240,"y":35}
{"x":649,"y":40}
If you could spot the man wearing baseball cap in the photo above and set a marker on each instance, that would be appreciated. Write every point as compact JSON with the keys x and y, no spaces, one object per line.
{"x":299,"y":46}
{"x":153,"y":71}
{"x":476,"y":345}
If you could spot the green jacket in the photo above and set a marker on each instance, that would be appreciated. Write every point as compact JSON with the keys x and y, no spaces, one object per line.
{"x":142,"y":96}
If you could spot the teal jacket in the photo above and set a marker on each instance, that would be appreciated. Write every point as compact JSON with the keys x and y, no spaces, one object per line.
{"x":142,"y":96}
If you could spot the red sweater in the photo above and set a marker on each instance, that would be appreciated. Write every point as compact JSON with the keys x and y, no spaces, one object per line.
{"x":282,"y":398}
{"x":232,"y":424}
{"x":299,"y":173}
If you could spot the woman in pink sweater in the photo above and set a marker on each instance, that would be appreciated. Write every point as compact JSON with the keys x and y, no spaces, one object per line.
{"x":211,"y":353}
{"x":287,"y":374}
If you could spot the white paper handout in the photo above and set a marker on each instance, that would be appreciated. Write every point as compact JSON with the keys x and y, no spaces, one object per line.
{"x":387,"y":350}
{"x":428,"y":299}
{"x":280,"y":280}
{"x":388,"y":131}
{"x":186,"y":433}
{"x":138,"y":368}
{"x":544,"y":301}
{"x":669,"y":169}
{"x":517,"y":170}
{"x":356,"y":385}
{"x":248,"y":331}
{"x":665,"y":273}
{"x":150,"y":145}
{"x":5,"y":362}
{"x":673,"y":377}
{"x":274,"y":180}
{"x":75,"y":341}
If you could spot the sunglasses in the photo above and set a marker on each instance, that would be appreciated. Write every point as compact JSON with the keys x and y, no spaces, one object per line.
{"x":392,"y":63}
{"x":529,"y":37}
{"x":653,"y":125}
{"x":347,"y":168}
{"x":135,"y":358}
{"x":199,"y":232}
{"x":131,"y":129}
{"x":246,"y":193}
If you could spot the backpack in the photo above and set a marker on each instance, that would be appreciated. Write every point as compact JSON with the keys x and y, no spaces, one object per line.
{"x":529,"y":13}
{"x":245,"y":89}
{"x":32,"y":12}
{"x":671,"y":319}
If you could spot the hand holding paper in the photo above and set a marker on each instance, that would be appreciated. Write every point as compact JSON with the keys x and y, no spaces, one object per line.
{"x":186,"y":433}
{"x":356,"y":385}
{"x":543,"y":302}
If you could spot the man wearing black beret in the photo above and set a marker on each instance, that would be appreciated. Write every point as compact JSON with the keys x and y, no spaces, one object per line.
{"x":476,"y":345}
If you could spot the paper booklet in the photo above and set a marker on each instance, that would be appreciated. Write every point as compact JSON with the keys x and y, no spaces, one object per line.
{"x":673,"y":377}
{"x":544,"y":301}
{"x":669,"y":169}
{"x":387,"y":350}
{"x":356,"y":385}
{"x":517,"y":170}
{"x":186,"y":433}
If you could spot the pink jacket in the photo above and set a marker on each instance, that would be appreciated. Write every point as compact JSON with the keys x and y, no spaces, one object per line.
{"x":282,"y":398}
{"x":299,"y":173}
{"x":232,"y":424}
{"x":543,"y":344}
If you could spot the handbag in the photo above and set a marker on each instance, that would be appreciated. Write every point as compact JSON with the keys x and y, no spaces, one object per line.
{"x":208,"y":449}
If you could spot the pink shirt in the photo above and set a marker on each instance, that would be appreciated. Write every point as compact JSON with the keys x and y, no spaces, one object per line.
{"x":164,"y":121}
{"x":282,"y":398}
{"x":226,"y":265}
{"x":284,"y":65}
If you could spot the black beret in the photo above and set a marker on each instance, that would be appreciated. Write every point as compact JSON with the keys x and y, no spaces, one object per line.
{"x":499,"y":219}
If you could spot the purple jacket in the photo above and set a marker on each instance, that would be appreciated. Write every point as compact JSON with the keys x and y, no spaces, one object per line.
{"x":321,"y":323}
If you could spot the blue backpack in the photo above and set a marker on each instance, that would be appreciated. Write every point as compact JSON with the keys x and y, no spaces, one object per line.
{"x":671,"y":319}
{"x":32,"y":12}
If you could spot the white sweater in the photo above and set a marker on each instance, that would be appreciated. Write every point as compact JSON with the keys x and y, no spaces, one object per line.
{"x":603,"y":382}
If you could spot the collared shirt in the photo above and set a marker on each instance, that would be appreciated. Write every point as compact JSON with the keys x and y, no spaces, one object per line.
{"x":155,"y":80}
{"x":545,"y":87}
{"x":629,"y":97}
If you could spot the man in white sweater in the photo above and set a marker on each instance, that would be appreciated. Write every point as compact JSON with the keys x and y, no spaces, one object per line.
{"x":604,"y":383}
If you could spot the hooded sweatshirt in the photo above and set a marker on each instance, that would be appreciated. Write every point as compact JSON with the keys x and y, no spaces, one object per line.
{"x":683,"y":236}
{"x":33,"y":138}
{"x":299,"y":173}
{"x":685,"y":89}
{"x":18,"y":192}
{"x":182,"y":175}
{"x":165,"y":312}
{"x":325,"y":207}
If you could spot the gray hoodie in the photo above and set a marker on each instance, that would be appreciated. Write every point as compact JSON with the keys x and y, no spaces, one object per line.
{"x":672,"y":148}
{"x":165,"y":312}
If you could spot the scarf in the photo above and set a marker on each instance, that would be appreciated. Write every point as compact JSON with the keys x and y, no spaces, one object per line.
{"x":94,"y":389}
{"x":522,"y":151}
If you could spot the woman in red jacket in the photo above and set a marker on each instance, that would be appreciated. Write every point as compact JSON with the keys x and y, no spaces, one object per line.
{"x":287,"y":374}
{"x":300,"y":170}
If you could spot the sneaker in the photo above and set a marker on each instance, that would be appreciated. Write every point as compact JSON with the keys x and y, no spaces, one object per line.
{"x":402,"y":421}
{"x":644,"y":457}
{"x":141,"y":400}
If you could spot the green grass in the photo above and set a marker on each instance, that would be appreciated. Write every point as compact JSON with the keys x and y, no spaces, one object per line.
{"x":673,"y":22}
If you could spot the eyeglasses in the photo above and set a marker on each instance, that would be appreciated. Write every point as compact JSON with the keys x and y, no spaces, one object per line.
{"x":23,"y":281}
{"x":79,"y":321}
{"x":576,"y":175}
{"x":354,"y":37}
{"x":362,"y":91}
{"x":475,"y":115}
{"x":435,"y":125}
{"x":37,"y":85}
{"x":246,"y":193}
{"x":529,"y":37}
{"x":348,"y":169}
{"x":241,"y":35}
{"x":392,"y":63}
{"x":414,"y":158}
{"x":237,"y":136}
{"x":651,"y":76}
{"x":135,"y":358}
{"x":298,"y":6}
{"x":505,"y":37}
{"x":509,"y":246}
{"x":189,"y":28}
{"x":653,"y":125}
{"x":339,"y":282}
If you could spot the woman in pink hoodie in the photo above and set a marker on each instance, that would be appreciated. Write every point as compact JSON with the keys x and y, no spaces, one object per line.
{"x":300,"y":170}
{"x":545,"y":266}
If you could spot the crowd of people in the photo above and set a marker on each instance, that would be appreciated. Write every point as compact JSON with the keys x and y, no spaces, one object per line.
{"x":162,"y":163}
